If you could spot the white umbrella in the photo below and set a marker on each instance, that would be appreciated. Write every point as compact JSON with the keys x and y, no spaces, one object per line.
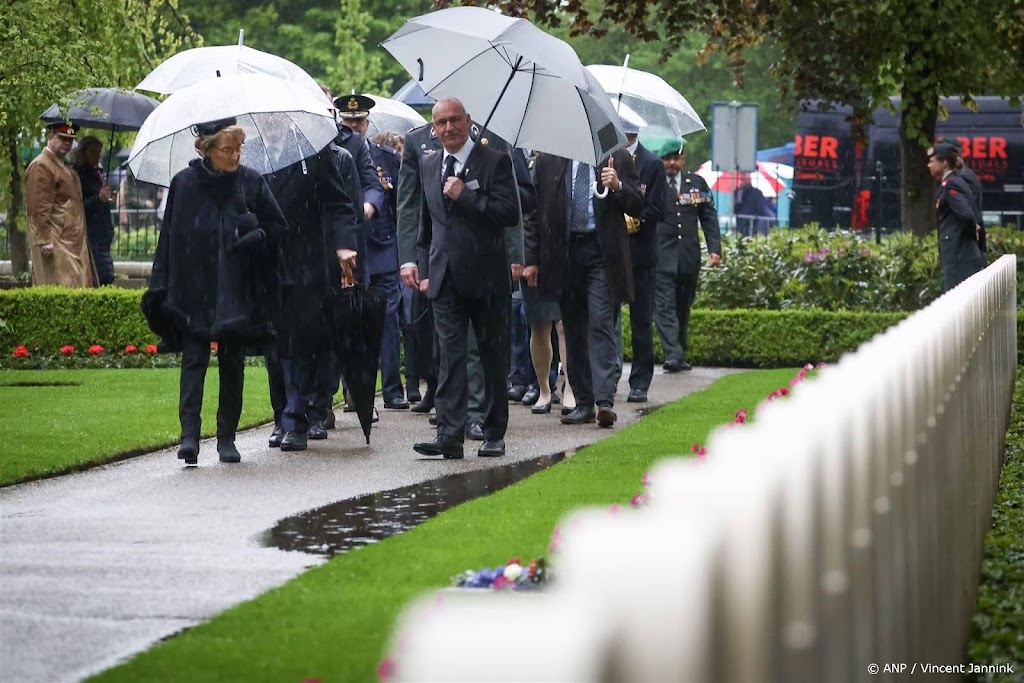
{"x":388,"y":114}
{"x":201,"y":63}
{"x":525,"y":85}
{"x":283,"y":123}
{"x":649,"y":95}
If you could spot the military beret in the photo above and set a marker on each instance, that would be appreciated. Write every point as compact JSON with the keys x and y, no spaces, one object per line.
{"x":65,"y":130}
{"x":944,"y":150}
{"x":214,"y":127}
{"x":354,"y":106}
{"x":672,"y":147}
{"x":955,"y":144}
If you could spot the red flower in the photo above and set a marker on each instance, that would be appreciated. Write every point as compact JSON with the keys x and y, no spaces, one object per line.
{"x":639,"y":500}
{"x":501,"y":583}
{"x":131,"y":348}
{"x":386,"y":669}
{"x":783,"y":391}
{"x":67,"y":350}
{"x":695,"y":448}
{"x":213,"y":346}
{"x":95,"y":350}
{"x":741,"y":416}
{"x":646,"y":479}
{"x":514,"y":560}
{"x":150,"y":348}
{"x":21,"y":352}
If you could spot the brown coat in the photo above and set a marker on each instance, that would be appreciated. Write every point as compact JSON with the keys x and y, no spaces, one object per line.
{"x":547,"y":229}
{"x":56,"y":213}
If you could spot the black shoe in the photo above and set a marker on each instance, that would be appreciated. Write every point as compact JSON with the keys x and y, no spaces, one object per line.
{"x":316,"y":432}
{"x":685,"y":366}
{"x":492,"y":448}
{"x":541,"y":409}
{"x":637,"y":396}
{"x":578,"y":416}
{"x":432,"y":420}
{"x":517,"y":392}
{"x":397,"y":404}
{"x":227,"y":451}
{"x":671,"y":366}
{"x":531,"y":396}
{"x":448,"y":446}
{"x":606,"y":416}
{"x":413,"y":397}
{"x":566,"y":411}
{"x":475,"y":431}
{"x":189,"y":450}
{"x":276,"y":436}
{"x":330,"y":421}
{"x":426,"y":405}
{"x":293,"y":441}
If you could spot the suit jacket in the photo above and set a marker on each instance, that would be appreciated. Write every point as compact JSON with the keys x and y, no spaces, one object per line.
{"x":547,"y":230}
{"x":465,"y":239}
{"x":421,"y":141}
{"x":381,"y":240}
{"x":654,"y":188}
{"x":678,"y":244}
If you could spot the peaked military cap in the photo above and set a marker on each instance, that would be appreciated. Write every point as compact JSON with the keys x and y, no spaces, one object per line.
{"x":67,"y":131}
{"x":354,"y":106}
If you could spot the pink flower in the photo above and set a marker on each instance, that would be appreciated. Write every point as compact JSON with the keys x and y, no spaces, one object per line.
{"x":702,"y":454}
{"x":150,"y":348}
{"x":21,"y":351}
{"x":821,"y":364}
{"x":131,"y":348}
{"x":783,"y":391}
{"x":808,"y":367}
{"x":514,"y":560}
{"x":639,"y":500}
{"x":67,"y":350}
{"x":501,"y":583}
{"x":741,"y":416}
{"x":695,"y":448}
{"x":646,"y":479}
{"x":386,"y":669}
{"x":95,"y":350}
{"x":614,"y":510}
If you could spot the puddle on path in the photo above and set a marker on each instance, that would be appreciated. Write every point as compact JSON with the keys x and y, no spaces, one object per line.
{"x":336,"y":528}
{"x":28,"y":383}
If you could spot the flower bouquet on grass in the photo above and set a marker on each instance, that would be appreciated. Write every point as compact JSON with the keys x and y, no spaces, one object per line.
{"x":513,"y":575}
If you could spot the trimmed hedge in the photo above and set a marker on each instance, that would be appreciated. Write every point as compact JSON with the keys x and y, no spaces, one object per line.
{"x":50,"y":317}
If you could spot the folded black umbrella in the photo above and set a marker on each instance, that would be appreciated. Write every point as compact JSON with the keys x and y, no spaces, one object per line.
{"x":356,"y":317}
{"x":103,"y":108}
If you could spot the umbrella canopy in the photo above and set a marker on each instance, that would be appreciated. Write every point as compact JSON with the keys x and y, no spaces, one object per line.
{"x":770,"y":178}
{"x":412,"y":94}
{"x":388,"y":114}
{"x":103,"y":108}
{"x":283,"y":122}
{"x":667,"y":112}
{"x":523,"y":84}
{"x":202,"y":63}
{"x":356,"y":316}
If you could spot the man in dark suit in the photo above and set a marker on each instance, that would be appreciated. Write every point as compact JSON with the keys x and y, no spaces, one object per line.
{"x":469,"y":198}
{"x":577,"y":253}
{"x":653,"y":187}
{"x":678,"y":251}
{"x":381,"y":245}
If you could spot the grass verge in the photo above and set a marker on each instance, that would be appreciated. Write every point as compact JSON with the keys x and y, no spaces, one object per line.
{"x":332,"y":623}
{"x":997,"y":629}
{"x":58,"y":421}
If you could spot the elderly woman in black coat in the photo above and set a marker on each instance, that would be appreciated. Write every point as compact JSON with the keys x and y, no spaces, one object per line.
{"x":215,"y":278}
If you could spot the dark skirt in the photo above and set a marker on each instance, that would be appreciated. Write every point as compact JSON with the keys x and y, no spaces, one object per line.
{"x":537,"y":310}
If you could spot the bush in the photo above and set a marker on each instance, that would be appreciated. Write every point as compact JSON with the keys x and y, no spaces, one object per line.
{"x":47,"y":318}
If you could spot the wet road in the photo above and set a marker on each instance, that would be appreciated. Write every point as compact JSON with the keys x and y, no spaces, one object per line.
{"x":99,"y":565}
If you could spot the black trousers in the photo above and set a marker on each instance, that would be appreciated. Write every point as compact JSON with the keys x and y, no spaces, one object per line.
{"x":673,"y":296}
{"x":641,"y":318}
{"x":195,"y":359}
{"x":488,"y":316}
{"x":589,"y":317}
{"x":276,"y":382}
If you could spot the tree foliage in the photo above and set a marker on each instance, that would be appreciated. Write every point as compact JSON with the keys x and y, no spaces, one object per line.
{"x":49,"y":49}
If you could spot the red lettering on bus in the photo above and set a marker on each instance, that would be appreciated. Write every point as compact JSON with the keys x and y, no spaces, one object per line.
{"x":997,"y":147}
{"x":811,"y":146}
{"x":978,"y":147}
{"x":828,"y":146}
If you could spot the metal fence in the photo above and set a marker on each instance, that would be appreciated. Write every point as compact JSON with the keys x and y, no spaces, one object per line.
{"x":836,"y":538}
{"x":135,"y":235}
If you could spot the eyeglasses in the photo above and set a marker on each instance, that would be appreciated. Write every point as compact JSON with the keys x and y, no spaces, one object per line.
{"x":231,"y":150}
{"x":453,"y":120}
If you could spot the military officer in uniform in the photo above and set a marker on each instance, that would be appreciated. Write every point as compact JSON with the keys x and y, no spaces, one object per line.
{"x":678,"y":249}
{"x":381,"y":244}
{"x":959,"y":251}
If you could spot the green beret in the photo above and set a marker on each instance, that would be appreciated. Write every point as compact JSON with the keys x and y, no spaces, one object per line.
{"x":944,"y":150}
{"x":670,"y":147}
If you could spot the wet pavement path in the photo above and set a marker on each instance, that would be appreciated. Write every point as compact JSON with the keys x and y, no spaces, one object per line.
{"x":99,"y":565}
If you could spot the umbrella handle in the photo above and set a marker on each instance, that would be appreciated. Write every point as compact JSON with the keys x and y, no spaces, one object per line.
{"x":348,"y":278}
{"x":600,"y":195}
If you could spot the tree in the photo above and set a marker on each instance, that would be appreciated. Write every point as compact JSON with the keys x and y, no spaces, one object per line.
{"x":853,"y":52}
{"x":354,"y":68}
{"x":47,"y":51}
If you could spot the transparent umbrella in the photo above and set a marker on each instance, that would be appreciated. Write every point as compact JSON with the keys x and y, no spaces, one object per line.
{"x":666,"y":111}
{"x":284,"y":123}
{"x":202,"y":63}
{"x":392,"y":115}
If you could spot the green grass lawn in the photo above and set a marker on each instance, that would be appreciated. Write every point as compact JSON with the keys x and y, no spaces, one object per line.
{"x":93,"y":416}
{"x":332,"y":623}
